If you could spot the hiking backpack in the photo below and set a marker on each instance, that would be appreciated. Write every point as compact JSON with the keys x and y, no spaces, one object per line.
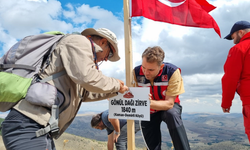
{"x":20,"y":65}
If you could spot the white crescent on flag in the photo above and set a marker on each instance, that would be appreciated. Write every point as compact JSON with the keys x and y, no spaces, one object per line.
{"x":165,"y":2}
{"x":171,"y":4}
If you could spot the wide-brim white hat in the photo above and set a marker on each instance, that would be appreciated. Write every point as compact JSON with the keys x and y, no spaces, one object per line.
{"x":107,"y":34}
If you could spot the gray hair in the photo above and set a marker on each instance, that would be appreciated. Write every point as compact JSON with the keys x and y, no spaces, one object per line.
{"x":247,"y":30}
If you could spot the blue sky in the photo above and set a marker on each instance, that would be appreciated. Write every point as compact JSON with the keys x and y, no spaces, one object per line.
{"x":199,"y":52}
{"x":110,"y":5}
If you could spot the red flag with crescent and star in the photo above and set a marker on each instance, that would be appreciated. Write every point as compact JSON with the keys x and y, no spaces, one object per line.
{"x":193,"y":13}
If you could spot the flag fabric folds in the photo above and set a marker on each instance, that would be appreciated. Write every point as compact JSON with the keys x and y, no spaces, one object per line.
{"x":193,"y":13}
{"x":205,"y":5}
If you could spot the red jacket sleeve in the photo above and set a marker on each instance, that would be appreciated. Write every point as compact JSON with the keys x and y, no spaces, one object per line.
{"x":232,"y":70}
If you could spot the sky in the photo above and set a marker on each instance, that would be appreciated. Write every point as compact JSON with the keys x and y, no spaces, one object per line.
{"x":199,"y":52}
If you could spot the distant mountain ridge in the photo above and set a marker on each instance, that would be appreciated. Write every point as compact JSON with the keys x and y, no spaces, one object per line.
{"x":203,"y":129}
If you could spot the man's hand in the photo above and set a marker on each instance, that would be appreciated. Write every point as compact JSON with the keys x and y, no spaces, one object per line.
{"x":150,"y":96}
{"x":167,"y":104}
{"x":123,"y":88}
{"x":121,"y":82}
{"x":226,"y":110}
{"x":116,"y":136}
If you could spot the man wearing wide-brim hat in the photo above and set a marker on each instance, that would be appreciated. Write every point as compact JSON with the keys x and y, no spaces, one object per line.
{"x":77,"y":55}
{"x":109,"y":36}
{"x":237,"y":71}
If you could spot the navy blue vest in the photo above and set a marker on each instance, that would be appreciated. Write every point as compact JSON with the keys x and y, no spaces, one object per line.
{"x":160,"y":85}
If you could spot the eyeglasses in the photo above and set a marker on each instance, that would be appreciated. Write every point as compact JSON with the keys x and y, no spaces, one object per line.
{"x":111,"y":54}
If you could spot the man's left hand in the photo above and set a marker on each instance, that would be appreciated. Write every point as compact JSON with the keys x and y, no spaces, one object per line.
{"x":116,"y":136}
{"x":226,"y":110}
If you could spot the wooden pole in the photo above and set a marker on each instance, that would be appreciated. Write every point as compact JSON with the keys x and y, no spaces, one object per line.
{"x":129,"y":67}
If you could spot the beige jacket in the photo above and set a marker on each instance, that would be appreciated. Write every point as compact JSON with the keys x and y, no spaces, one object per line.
{"x":74,"y":55}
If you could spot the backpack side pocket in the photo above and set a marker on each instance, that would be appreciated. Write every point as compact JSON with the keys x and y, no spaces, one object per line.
{"x":42,"y":94}
{"x":12,"y":89}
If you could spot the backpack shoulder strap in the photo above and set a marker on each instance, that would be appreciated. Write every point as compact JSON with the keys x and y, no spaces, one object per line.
{"x":17,"y":66}
{"x":54,"y":76}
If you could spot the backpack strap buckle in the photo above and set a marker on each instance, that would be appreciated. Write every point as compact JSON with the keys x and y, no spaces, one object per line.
{"x":52,"y":128}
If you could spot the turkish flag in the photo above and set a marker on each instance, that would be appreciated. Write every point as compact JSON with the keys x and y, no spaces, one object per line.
{"x":193,"y":13}
{"x":205,"y":5}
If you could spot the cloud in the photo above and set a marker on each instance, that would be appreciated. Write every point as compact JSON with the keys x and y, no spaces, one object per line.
{"x":22,"y":18}
{"x":6,"y":40}
{"x":217,"y":101}
{"x":84,"y":16}
{"x":197,"y":101}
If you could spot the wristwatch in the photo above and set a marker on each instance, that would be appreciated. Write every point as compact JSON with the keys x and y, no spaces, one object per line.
{"x":117,"y":133}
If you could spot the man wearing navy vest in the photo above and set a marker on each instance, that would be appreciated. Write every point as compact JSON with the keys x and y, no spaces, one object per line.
{"x":166,"y":84}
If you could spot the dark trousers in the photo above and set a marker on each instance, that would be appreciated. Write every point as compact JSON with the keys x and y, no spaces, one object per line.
{"x":18,"y":133}
{"x":172,"y":117}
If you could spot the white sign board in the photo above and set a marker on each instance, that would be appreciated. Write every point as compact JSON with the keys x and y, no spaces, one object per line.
{"x":132,"y":105}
